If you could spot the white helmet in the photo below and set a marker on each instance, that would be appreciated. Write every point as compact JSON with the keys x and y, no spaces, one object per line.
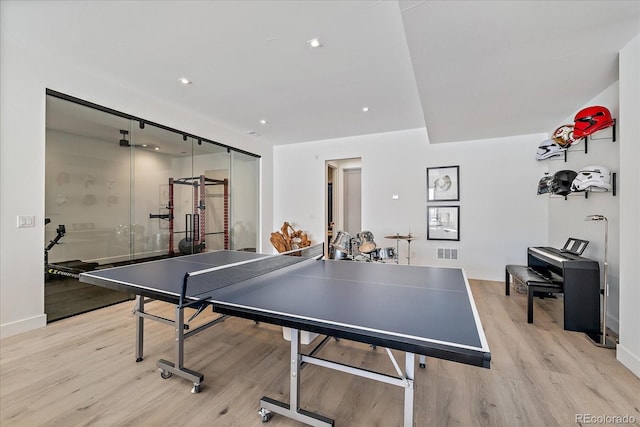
{"x":593,"y":178}
{"x":549,"y":149}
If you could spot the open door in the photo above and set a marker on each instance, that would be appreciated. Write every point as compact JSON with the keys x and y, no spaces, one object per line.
{"x":343,"y":206}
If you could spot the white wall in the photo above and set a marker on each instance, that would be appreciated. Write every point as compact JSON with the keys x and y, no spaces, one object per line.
{"x":500,"y":212}
{"x":24,"y":77}
{"x":628,"y":351}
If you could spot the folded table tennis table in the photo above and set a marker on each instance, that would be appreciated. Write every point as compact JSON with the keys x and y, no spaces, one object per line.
{"x":418,"y":310}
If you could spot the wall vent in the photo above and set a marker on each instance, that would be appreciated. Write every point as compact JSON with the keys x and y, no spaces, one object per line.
{"x":447,"y":253}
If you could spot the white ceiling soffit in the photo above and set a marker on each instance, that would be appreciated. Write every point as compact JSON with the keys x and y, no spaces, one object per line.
{"x":488,"y":69}
{"x":469,"y":69}
{"x":248,"y":60}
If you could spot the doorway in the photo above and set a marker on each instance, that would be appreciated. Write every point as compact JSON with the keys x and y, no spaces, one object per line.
{"x":343,"y":200}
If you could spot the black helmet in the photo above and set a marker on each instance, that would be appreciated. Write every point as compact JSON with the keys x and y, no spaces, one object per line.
{"x":562,"y":182}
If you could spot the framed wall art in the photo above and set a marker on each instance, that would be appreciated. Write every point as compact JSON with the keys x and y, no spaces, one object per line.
{"x":443,"y":223}
{"x":443,"y":184}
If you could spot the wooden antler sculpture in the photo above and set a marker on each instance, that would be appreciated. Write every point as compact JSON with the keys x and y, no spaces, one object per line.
{"x":289,"y":238}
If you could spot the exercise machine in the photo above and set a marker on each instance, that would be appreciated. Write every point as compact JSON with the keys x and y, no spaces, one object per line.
{"x":195,"y":232}
{"x":71,"y":268}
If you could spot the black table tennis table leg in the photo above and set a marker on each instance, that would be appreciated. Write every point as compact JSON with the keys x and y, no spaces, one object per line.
{"x":182,"y":332}
{"x":168,"y":368}
{"x":139,"y":327}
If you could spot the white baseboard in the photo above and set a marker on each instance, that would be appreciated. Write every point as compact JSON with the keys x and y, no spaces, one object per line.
{"x":628,"y":359}
{"x":24,"y":325}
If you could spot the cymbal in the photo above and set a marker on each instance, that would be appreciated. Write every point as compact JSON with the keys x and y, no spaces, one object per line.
{"x":399,"y":237}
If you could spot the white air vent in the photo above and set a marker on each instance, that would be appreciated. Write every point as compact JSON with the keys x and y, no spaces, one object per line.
{"x":447,"y":253}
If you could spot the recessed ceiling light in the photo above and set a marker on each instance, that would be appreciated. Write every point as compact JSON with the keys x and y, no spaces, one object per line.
{"x":365,"y":109}
{"x":263,"y":122}
{"x":157,"y":148}
{"x":314,"y":42}
{"x":184,"y":81}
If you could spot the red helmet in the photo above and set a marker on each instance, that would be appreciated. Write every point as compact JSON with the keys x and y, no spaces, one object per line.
{"x":590,"y":120}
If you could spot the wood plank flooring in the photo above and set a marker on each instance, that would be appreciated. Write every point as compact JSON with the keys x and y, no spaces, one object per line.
{"x":81,"y":371}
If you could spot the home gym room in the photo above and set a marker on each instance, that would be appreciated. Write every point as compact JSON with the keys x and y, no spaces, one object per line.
{"x":400,"y":94}
{"x":118,"y":191}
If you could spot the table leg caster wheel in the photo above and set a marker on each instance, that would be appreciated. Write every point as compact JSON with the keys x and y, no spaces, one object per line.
{"x":196,"y":388}
{"x":265,"y":415}
{"x":139,"y":359}
{"x":165,"y":374}
{"x":422,"y":365}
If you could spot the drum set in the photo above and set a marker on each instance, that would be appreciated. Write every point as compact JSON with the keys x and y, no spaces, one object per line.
{"x":361,"y":248}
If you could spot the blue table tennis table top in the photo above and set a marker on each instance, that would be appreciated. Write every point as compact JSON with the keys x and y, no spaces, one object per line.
{"x":419,"y":309}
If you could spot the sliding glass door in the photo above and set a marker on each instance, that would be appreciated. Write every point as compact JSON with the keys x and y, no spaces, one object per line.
{"x":122,"y":190}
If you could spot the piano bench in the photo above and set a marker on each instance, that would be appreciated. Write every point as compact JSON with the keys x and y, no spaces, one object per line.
{"x":534,"y":282}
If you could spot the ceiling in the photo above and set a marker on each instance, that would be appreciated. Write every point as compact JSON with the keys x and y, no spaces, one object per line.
{"x":464,"y":69}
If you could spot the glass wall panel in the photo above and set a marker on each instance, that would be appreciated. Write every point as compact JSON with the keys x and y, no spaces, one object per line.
{"x":211,"y":164}
{"x":245,"y":175}
{"x":159,"y":157}
{"x":121,"y":190}
{"x":87,"y":198}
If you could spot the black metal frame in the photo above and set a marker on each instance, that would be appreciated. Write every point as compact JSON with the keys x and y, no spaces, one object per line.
{"x":457,"y":184}
{"x":429,"y":236}
{"x":143,"y":122}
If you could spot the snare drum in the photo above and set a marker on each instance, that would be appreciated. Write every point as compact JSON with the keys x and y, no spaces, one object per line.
{"x":367,"y":245}
{"x":382,"y":254}
{"x":338,"y":254}
{"x":342,"y":242}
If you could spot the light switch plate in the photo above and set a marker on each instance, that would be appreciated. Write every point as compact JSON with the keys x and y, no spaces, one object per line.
{"x":26,"y":221}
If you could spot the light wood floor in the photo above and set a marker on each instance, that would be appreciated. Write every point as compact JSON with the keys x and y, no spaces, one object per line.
{"x":81,"y":371}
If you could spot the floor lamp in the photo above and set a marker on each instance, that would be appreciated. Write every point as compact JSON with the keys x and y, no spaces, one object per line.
{"x":603,"y":336}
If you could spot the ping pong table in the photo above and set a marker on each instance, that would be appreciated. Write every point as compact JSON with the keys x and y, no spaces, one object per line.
{"x":418,"y":310}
